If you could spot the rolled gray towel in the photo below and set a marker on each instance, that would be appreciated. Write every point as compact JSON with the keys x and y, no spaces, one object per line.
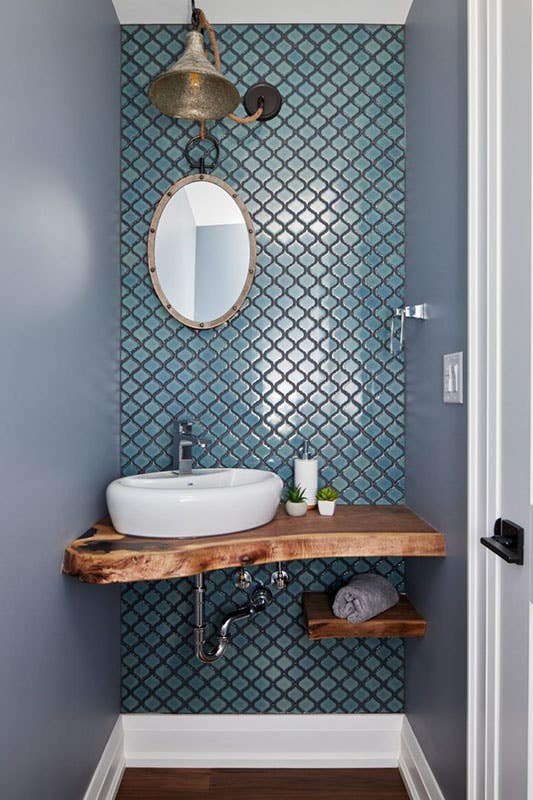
{"x":364,"y":597}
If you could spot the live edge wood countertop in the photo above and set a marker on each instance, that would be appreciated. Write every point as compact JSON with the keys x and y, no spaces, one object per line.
{"x":102,"y":555}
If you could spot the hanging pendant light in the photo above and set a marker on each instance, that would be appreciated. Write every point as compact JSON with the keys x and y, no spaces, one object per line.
{"x":193,"y":88}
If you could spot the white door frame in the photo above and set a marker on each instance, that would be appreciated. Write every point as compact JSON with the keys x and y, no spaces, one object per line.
{"x":484,"y":272}
{"x":484,"y":385}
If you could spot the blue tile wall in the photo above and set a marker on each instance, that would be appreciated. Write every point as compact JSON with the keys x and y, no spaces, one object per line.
{"x":306,"y":357}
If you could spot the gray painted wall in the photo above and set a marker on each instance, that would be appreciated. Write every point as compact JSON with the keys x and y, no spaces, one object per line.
{"x":436,"y":434}
{"x":59,"y":308}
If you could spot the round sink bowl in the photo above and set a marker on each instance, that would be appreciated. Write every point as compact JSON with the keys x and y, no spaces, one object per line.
{"x":206,"y":503}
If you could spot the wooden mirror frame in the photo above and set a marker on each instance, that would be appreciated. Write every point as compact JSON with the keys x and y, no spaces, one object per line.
{"x":235,"y":308}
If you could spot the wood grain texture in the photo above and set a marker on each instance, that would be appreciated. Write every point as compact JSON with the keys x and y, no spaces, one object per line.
{"x":402,"y":621}
{"x":262,"y":784}
{"x":111,"y":557}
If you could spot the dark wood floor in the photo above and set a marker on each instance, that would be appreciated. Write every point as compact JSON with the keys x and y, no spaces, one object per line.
{"x":262,"y":784}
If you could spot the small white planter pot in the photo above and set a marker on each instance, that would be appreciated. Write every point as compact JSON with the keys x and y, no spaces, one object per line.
{"x":295,"y":509}
{"x":326,"y":507}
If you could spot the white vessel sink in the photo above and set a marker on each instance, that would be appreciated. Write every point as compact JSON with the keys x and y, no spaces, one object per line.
{"x":205,"y":503}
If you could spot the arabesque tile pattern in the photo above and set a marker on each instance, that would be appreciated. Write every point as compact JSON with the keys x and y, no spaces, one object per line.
{"x":306,"y":357}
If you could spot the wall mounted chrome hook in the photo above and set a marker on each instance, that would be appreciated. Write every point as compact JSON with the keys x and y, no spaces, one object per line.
{"x":418,"y":311}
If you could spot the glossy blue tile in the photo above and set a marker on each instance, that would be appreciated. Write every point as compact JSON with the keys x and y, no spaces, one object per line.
{"x":307,"y":355}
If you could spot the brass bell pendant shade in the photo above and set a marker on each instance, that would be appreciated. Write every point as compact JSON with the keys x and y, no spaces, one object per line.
{"x":193,"y":88}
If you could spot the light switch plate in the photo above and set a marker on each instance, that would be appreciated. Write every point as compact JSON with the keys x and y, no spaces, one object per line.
{"x":453,"y":378}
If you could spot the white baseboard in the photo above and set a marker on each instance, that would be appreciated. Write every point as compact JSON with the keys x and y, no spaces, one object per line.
{"x":108,"y":773}
{"x":262,"y":740}
{"x":419,"y":780}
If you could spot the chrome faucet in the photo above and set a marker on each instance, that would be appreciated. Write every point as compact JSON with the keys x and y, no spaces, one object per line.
{"x":184,"y":439}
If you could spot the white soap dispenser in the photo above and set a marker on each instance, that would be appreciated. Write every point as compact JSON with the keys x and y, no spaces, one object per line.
{"x":306,"y":474}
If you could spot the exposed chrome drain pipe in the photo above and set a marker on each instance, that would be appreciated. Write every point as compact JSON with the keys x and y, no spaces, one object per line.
{"x":259,"y":599}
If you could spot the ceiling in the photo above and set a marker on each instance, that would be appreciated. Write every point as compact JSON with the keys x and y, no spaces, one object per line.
{"x":380,"y":12}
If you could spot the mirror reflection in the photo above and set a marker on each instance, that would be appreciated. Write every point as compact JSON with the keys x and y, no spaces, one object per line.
{"x":203,"y":252}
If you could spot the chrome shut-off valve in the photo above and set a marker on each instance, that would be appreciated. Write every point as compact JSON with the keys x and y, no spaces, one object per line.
{"x":280,"y":577}
{"x":242,"y":579}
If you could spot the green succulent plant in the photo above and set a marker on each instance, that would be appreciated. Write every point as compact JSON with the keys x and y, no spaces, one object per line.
{"x":327,"y":493}
{"x":295,"y":494}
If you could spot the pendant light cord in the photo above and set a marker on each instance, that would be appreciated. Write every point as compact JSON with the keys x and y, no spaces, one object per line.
{"x":204,"y":24}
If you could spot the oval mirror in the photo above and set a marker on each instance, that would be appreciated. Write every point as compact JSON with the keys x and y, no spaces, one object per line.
{"x":201,"y":251}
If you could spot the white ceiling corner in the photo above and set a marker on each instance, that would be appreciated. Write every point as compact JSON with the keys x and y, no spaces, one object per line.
{"x":377,"y":12}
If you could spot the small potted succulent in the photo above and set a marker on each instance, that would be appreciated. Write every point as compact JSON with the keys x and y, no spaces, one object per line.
{"x":326,"y":500}
{"x":296,"y":504}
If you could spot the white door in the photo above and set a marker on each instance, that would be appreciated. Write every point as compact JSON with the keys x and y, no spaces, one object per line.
{"x":500,"y":378}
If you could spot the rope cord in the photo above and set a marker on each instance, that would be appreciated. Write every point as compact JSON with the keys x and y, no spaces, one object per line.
{"x":204,"y":24}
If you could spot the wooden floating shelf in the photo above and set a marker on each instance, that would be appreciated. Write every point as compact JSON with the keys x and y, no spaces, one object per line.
{"x":402,"y":621}
{"x":102,"y":555}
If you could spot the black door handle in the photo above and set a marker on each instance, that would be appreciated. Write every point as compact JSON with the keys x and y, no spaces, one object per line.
{"x":507,"y":541}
